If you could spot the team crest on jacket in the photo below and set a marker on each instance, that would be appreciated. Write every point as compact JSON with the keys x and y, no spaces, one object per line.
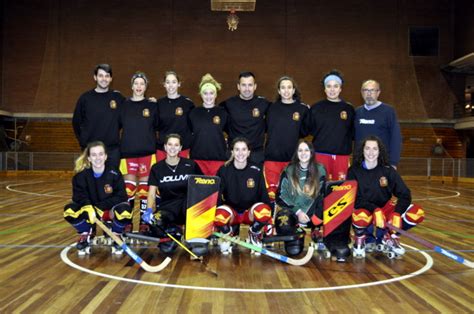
{"x":250,"y":183}
{"x":343,"y":115}
{"x":383,"y":182}
{"x":255,"y":113}
{"x":142,"y":168}
{"x":113,"y":104}
{"x":108,"y":189}
{"x":296,"y":116}
{"x":146,"y":112}
{"x":178,"y":111}
{"x":216,"y":120}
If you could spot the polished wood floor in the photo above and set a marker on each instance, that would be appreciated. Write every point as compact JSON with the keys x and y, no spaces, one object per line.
{"x":41,"y":273}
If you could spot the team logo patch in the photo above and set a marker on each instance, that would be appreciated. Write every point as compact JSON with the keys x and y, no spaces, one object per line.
{"x":178,"y":111}
{"x":146,"y":112}
{"x":216,"y":120}
{"x":142,"y":168}
{"x":113,"y":104}
{"x":296,"y":116}
{"x":283,"y":220}
{"x":383,"y":182}
{"x":250,"y":183}
{"x":108,"y":189}
{"x":255,"y":113}
{"x":343,"y":115}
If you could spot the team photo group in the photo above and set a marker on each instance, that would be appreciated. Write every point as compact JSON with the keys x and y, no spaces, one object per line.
{"x":277,"y":164}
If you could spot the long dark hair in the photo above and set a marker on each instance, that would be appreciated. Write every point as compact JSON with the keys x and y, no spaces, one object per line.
{"x":296,"y":95}
{"x":359,"y":152}
{"x":311,"y":185}
{"x":235,"y":141}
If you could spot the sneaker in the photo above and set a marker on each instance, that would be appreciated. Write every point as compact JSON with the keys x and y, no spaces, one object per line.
{"x":255,"y":238}
{"x":83,"y":244}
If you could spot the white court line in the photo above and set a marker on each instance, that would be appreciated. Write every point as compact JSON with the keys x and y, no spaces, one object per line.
{"x":426,"y":267}
{"x":65,"y":259}
{"x":9,"y":188}
{"x":457,"y":194}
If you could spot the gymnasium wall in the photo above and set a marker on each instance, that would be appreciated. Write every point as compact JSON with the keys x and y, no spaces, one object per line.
{"x":464,"y":28}
{"x":49,"y":49}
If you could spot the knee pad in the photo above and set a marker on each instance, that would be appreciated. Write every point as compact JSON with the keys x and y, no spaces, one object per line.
{"x":260,"y":212}
{"x":142,"y":190}
{"x":396,"y":220}
{"x":224,"y":215}
{"x":131,"y":189}
{"x":361,"y":218}
{"x":122,"y":212}
{"x":71,"y":212}
{"x":285,"y":222}
{"x":413,"y":215}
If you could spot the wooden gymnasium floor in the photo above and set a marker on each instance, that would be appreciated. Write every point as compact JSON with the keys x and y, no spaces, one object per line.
{"x":40,"y":271}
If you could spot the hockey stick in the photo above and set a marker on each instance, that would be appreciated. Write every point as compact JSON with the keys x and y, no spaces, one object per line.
{"x":200,"y":259}
{"x":430,"y":245}
{"x":282,"y":258}
{"x":132,"y":254}
{"x":138,"y":236}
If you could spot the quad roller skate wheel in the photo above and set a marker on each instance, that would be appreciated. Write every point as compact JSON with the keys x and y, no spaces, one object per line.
{"x":358,"y":255}
{"x":84,"y":252}
{"x":380,"y":247}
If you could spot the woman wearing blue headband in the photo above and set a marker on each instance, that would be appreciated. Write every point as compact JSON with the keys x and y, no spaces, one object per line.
{"x":331,"y":123}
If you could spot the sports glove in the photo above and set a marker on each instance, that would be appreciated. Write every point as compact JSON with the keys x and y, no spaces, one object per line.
{"x":148,"y":216}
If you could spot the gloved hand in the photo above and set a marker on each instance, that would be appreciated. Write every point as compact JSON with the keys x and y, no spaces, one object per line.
{"x":148,"y":216}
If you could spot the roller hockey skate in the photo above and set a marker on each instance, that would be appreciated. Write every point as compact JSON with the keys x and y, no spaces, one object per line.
{"x":391,"y":246}
{"x":318,"y":243}
{"x":83,"y":245}
{"x":225,"y":246}
{"x":370,"y":243}
{"x":359,"y":246}
{"x":255,"y":238}
{"x":117,"y":249}
{"x":339,"y":252}
{"x":169,"y":247}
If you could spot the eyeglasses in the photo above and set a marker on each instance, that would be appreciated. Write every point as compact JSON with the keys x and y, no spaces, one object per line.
{"x":367,"y":91}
